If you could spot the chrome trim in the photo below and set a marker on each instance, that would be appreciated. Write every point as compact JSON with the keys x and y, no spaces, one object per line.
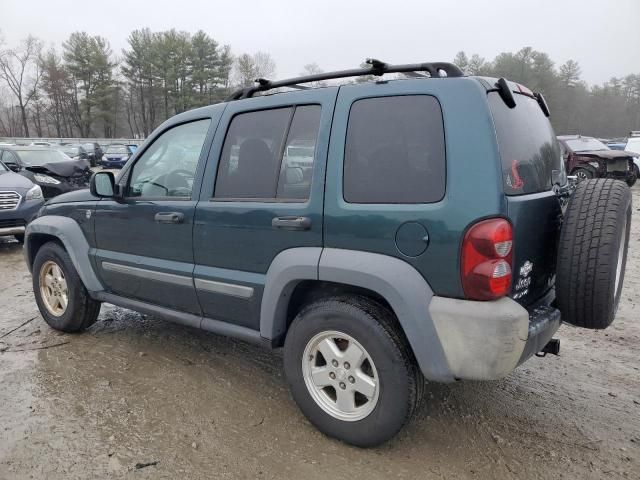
{"x":11,"y":231}
{"x":224,"y":288}
{"x":149,"y":274}
{"x":9,"y":200}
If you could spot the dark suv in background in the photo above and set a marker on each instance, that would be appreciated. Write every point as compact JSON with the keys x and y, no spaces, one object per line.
{"x":588,"y":157}
{"x":380,"y":232}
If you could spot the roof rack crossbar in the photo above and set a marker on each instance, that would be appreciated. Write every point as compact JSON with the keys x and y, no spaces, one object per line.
{"x":377,"y":68}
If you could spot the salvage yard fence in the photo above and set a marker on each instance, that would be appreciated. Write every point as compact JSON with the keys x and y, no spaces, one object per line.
{"x":101,"y":141}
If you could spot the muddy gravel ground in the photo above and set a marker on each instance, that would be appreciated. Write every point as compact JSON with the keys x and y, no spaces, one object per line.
{"x":135,"y":390}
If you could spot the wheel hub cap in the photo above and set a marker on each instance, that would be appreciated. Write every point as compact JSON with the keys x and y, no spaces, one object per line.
{"x":53,"y":288}
{"x":340,"y":376}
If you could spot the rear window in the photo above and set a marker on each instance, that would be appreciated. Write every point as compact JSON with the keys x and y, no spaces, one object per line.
{"x":395,"y":151}
{"x":531,"y":158}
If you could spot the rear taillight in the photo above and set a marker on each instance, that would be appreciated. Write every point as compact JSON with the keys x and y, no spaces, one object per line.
{"x":487,"y":251}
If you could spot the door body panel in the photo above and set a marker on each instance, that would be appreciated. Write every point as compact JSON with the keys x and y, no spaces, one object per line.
{"x":138,"y":256}
{"x":235,"y":240}
{"x":470,"y":167}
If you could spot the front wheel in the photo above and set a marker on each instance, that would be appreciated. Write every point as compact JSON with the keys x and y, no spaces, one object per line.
{"x":351,"y":371}
{"x":62,"y":299}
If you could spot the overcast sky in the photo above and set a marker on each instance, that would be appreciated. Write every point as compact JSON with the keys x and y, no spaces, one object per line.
{"x":602,"y":35}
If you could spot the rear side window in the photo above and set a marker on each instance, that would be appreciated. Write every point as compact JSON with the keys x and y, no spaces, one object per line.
{"x":395,"y":151}
{"x":531,"y":157}
{"x":269,"y":154}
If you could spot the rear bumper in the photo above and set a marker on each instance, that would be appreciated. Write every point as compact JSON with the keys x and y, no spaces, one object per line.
{"x":488,"y":340}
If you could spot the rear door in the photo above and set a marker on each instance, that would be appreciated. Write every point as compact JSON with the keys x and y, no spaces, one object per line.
{"x":532,"y":165}
{"x":262,"y":193}
{"x":386,"y":178}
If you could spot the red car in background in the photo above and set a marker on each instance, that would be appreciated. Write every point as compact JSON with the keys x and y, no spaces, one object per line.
{"x":588,"y":157}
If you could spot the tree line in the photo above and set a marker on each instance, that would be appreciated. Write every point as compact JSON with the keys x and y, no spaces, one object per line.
{"x":84,"y":89}
{"x":609,"y":110}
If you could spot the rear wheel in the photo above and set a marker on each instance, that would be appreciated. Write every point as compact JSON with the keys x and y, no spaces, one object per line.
{"x":592,"y":253}
{"x":583,"y":174}
{"x":62,"y":299}
{"x":351,"y":371}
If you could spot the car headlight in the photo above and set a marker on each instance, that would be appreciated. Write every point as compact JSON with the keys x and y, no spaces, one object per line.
{"x":104,"y":158}
{"x":42,"y":178}
{"x":34,"y":193}
{"x":594,"y":164}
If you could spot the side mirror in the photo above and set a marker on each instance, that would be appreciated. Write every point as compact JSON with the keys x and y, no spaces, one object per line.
{"x":14,"y":167}
{"x":103,"y":184}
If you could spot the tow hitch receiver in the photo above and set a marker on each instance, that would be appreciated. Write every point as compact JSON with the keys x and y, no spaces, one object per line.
{"x":553,"y":347}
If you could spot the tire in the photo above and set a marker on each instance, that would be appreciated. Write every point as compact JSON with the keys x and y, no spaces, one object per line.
{"x":81,"y":310}
{"x":631,"y":181}
{"x":373,"y":328}
{"x":583,"y":174}
{"x":592,"y":253}
{"x":19,"y":237}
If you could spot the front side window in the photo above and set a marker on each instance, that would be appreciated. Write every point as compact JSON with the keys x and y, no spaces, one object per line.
{"x":395,"y":151}
{"x":168,"y":167}
{"x":269,"y":154}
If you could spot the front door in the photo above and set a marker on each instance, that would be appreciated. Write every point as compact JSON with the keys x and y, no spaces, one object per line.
{"x":144,"y":241}
{"x":262,"y":193}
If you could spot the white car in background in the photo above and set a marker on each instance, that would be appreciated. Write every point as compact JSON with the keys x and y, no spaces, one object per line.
{"x":633,"y":145}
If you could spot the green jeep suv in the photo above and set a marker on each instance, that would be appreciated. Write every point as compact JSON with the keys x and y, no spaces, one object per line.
{"x":419,"y":225}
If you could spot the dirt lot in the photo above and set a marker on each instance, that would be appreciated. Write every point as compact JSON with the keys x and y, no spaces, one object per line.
{"x":138,"y":390}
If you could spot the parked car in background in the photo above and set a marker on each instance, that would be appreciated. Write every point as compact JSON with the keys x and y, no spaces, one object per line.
{"x":616,"y":145}
{"x":115,"y":156}
{"x":588,"y":157}
{"x":40,"y":144}
{"x":74,"y":151}
{"x":20,"y":200}
{"x":633,"y":147}
{"x":54,"y":171}
{"x":94,"y":152}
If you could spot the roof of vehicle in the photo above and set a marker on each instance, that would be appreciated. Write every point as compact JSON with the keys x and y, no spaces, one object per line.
{"x":572,"y":137}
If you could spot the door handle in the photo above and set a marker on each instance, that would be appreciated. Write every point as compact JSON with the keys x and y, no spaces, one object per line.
{"x":291,"y":223}
{"x":169,"y":217}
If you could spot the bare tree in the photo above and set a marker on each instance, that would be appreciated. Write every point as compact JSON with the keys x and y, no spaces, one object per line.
{"x":20,"y":69}
{"x":248,"y":68}
{"x":313,"y":69}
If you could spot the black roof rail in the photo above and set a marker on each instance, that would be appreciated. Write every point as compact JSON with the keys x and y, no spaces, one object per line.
{"x":376,"y":67}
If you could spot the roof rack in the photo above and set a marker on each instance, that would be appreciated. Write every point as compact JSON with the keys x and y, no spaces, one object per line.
{"x":376,"y":67}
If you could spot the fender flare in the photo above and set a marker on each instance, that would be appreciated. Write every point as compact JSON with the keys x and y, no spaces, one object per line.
{"x":406,"y":291}
{"x":70,"y":234}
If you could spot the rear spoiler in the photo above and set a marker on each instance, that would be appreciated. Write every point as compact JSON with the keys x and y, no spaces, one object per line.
{"x":506,"y":91}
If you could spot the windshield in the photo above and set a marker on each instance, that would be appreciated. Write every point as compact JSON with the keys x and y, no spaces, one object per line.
{"x":531,"y":158}
{"x":585,"y":144}
{"x":40,"y":157}
{"x":117,"y":149}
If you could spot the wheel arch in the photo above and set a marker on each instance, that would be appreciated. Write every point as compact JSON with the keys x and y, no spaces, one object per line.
{"x":68,"y":233}
{"x":300,"y":274}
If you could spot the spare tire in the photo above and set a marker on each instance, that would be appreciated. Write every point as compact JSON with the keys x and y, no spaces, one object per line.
{"x":592,"y":253}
